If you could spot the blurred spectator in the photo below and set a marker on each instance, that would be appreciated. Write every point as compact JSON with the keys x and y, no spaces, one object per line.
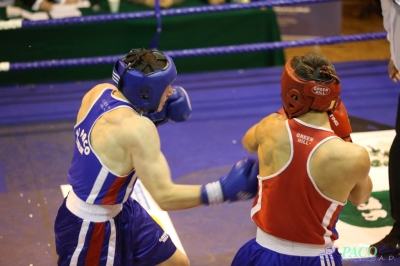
{"x":216,"y":2}
{"x":4,"y":3}
{"x":163,"y":3}
{"x":170,"y":3}
{"x":46,"y":5}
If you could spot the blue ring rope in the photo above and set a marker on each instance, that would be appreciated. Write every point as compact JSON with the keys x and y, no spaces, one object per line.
{"x":219,"y":50}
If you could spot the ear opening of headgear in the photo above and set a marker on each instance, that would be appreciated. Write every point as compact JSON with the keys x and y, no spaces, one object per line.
{"x":143,"y":76}
{"x":299,"y":95}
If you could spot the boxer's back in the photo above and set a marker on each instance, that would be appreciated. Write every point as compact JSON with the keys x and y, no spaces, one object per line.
{"x":107,"y":136}
{"x":334,"y":166}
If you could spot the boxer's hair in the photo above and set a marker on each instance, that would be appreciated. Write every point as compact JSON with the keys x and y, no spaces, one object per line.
{"x":145,"y":61}
{"x":305,"y":66}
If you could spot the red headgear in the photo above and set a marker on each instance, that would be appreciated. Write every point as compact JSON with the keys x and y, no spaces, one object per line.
{"x":300,"y":95}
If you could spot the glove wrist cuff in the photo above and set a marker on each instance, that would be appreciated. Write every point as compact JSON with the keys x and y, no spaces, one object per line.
{"x":211,"y":193}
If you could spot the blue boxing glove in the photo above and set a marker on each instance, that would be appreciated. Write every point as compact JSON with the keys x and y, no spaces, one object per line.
{"x":241,"y":183}
{"x":177,"y":108}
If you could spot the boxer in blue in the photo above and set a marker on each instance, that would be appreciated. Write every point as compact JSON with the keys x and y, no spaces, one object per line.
{"x":116,"y":141}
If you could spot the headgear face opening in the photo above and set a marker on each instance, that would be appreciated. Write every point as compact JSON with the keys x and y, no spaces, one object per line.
{"x":143,"y":90}
{"x":300,"y":95}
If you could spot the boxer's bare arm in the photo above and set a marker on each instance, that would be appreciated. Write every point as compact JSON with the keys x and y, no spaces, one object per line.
{"x":153,"y":170}
{"x":363,"y":184}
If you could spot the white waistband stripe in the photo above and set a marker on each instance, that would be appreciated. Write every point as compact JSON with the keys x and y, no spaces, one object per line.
{"x":291,"y":248}
{"x":92,"y":212}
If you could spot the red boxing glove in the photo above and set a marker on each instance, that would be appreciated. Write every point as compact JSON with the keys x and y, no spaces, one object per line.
{"x":340,"y":124}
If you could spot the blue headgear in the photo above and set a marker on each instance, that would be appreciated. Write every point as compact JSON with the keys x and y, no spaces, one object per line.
{"x":144,"y":91}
